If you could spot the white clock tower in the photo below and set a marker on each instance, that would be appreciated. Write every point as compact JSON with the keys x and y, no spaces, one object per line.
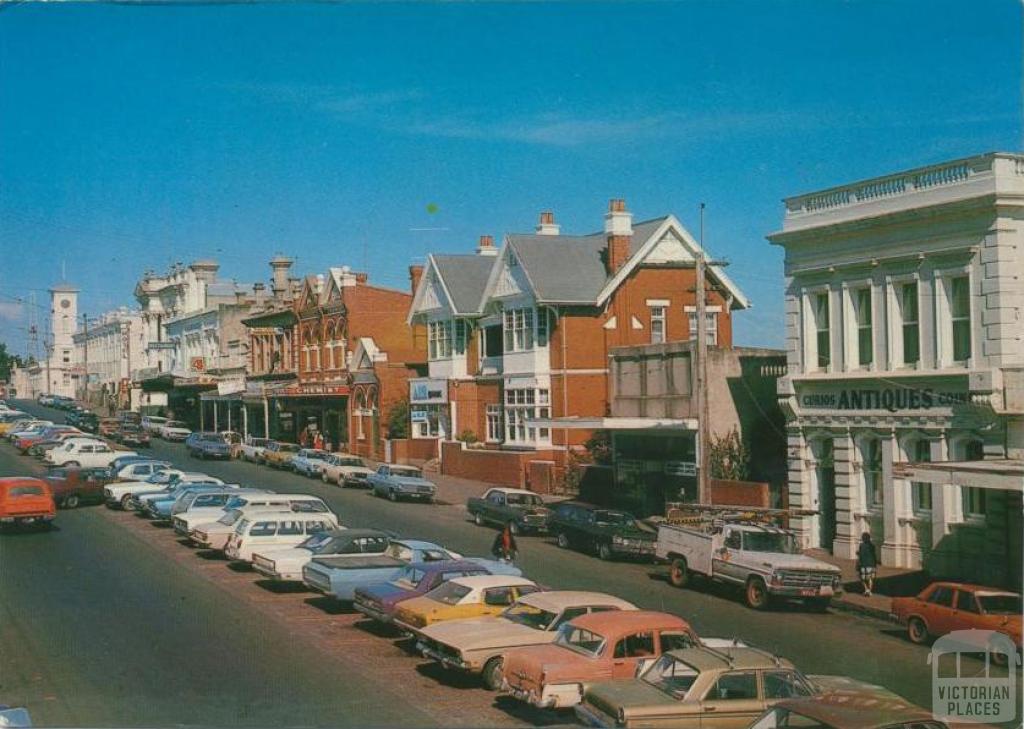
{"x":63,"y":325}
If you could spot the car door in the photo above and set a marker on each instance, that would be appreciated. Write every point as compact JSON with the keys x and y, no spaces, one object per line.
{"x":732,"y":701}
{"x":966,"y":614}
{"x":630,"y":650}
{"x":938,"y":613}
{"x":495,"y":506}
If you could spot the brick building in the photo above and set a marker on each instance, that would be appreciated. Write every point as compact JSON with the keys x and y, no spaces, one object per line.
{"x":519,"y":337}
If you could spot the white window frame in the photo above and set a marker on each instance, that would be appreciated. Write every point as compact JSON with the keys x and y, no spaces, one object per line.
{"x":710,"y":323}
{"x":848,"y":319}
{"x":895,"y":309}
{"x":518,"y":329}
{"x":495,"y":420}
{"x":809,"y":299}
{"x":439,"y":339}
{"x":943,"y":288}
{"x":659,"y":323}
{"x":522,"y":404}
{"x":874,"y":498}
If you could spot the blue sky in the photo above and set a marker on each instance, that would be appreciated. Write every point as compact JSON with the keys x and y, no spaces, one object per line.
{"x":134,"y":136}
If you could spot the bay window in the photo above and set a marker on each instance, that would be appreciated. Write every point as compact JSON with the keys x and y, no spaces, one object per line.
{"x":439,"y":339}
{"x":518,"y":326}
{"x":522,"y":404}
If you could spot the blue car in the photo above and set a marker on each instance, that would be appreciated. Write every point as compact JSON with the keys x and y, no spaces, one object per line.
{"x":162,"y":509}
{"x":208,"y":445}
{"x":401,"y":482}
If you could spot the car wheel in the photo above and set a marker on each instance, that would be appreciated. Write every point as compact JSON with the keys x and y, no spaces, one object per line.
{"x":917,"y":631}
{"x":563,"y":540}
{"x":492,"y":674}
{"x":478,"y":519}
{"x":679,"y":573}
{"x":125,"y":502}
{"x":392,"y":496}
{"x":604,"y":551}
{"x":71,"y":502}
{"x":757,"y":594}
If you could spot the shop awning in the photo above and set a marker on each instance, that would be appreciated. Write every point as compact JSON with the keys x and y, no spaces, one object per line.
{"x":599,"y":423}
{"x":997,"y":473}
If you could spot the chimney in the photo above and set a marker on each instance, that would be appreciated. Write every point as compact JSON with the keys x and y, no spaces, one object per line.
{"x":280,"y":265}
{"x":258,"y":292}
{"x":618,"y":229}
{"x":362,"y":278}
{"x":240,"y":296}
{"x":294,"y":287}
{"x":547,"y":225}
{"x":486,"y":246}
{"x":415,"y":274}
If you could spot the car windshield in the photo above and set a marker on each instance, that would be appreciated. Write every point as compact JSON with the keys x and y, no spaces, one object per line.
{"x":770,"y":542}
{"x":406,"y":472}
{"x":289,"y":448}
{"x":449,"y":593}
{"x":780,"y":717}
{"x":580,"y":640}
{"x":321,"y":543}
{"x":672,"y":676}
{"x":241,"y":526}
{"x":1005,"y":604}
{"x":349,"y":462}
{"x":175,"y":424}
{"x":230,"y":518}
{"x":617,"y":518}
{"x":530,"y":616}
{"x":317,"y":455}
{"x":523,"y":499}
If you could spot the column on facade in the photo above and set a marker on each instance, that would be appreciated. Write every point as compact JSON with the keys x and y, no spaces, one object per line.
{"x":899,"y":539}
{"x":848,"y":496}
{"x":944,"y":496}
{"x":799,"y":493}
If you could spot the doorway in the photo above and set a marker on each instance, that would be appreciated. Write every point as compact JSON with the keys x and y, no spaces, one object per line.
{"x":825,"y":501}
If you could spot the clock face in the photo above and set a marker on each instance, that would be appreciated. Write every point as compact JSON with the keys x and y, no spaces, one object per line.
{"x":64,"y":303}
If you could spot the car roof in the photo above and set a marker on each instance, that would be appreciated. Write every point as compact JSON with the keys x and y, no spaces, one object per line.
{"x":443,"y":565}
{"x":972,"y":587}
{"x":705,"y":659}
{"x":506,"y":490}
{"x":557,"y":600}
{"x":295,"y":496}
{"x":419,"y":544}
{"x":363,"y":532}
{"x":14,"y":480}
{"x":479,"y":582}
{"x":858,"y":709}
{"x":615,"y":621}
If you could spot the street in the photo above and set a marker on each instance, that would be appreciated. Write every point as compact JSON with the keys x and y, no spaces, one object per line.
{"x":108,"y":620}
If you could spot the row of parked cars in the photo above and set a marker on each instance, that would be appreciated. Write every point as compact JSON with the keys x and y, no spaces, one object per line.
{"x":614,"y":664}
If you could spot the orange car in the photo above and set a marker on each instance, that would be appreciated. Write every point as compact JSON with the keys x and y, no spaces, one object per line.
{"x":943,"y":607}
{"x":26,"y":501}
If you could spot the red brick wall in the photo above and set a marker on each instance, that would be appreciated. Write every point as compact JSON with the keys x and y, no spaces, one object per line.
{"x":507,"y":468}
{"x":471,"y":400}
{"x":413,"y":450}
{"x":740,"y":493}
{"x":380,"y":313}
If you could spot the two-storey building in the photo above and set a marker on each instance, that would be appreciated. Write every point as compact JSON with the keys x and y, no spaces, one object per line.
{"x":105,"y":348}
{"x":520,"y":337}
{"x":904,"y":299}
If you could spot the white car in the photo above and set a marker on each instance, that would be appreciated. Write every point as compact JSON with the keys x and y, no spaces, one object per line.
{"x":153,"y":423}
{"x":258,"y":532}
{"x":345,"y":470}
{"x":85,"y":452}
{"x":141,"y":470}
{"x":175,"y":430}
{"x":308,"y":462}
{"x":212,"y":531}
{"x":252,"y":450}
{"x":118,"y":495}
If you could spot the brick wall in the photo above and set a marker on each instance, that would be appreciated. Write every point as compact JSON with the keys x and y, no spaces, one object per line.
{"x":740,"y":493}
{"x":413,"y":450}
{"x":506,"y":468}
{"x":471,"y":399}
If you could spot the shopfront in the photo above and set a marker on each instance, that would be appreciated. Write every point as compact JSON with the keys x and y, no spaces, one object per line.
{"x":304,"y":410}
{"x":429,"y":409}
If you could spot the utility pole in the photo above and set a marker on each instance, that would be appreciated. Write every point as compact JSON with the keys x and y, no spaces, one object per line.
{"x":85,"y":356}
{"x":701,"y":369}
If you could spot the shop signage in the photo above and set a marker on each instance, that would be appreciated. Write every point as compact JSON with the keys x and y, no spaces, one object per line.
{"x":231,"y":386}
{"x":313,"y":388}
{"x":428,"y":392}
{"x":892,"y":399}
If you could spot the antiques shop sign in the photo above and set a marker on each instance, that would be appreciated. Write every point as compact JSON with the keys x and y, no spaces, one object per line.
{"x":892,"y":399}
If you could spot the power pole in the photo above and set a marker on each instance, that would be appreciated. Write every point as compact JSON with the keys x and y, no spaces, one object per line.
{"x":701,"y":368}
{"x":85,"y":355}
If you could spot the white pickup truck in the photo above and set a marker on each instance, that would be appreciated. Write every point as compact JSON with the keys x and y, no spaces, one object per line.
{"x":763,"y":560}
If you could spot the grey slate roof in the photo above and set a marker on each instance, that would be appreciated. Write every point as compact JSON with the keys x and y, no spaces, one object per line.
{"x":570,"y":268}
{"x":465,"y":277}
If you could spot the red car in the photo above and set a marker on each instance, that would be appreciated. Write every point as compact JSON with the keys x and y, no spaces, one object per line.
{"x":74,"y":487}
{"x":943,"y":607}
{"x":26,"y":501}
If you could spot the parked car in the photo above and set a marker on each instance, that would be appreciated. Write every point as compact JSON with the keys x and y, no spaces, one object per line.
{"x":477,"y":645}
{"x":119,"y":494}
{"x":74,"y":487}
{"x":285,"y":565}
{"x":345,"y":470}
{"x":687,"y":688}
{"x":252,"y":450}
{"x":89,"y":422}
{"x":38,"y":450}
{"x":162,"y":508}
{"x":522,"y":510}
{"x":609,"y":533}
{"x":279,"y":455}
{"x":765,"y":561}
{"x":463,"y":597}
{"x":589,"y":649}
{"x":338,"y":577}
{"x":186,"y":524}
{"x":26,"y":501}
{"x":175,"y":431}
{"x":401,"y":482}
{"x":380,"y":600}
{"x":153,"y":423}
{"x":26,"y":440}
{"x":132,"y":435}
{"x":943,"y":607}
{"x":12,"y":717}
{"x":108,"y":426}
{"x":879,"y":709}
{"x":309,"y":462}
{"x":208,"y":445}
{"x":82,"y":452}
{"x":138,"y":469}
{"x":140,"y":500}
{"x":215,"y":535}
{"x":260,"y":532}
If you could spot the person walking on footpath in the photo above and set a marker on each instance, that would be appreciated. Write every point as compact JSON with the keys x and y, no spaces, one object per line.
{"x":867,"y":563}
{"x":505,"y":547}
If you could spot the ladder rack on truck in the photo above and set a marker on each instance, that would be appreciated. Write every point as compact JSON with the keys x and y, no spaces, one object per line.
{"x":702,"y":515}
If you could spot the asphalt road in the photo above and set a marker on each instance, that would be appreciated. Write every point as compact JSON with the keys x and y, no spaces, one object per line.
{"x":105,"y":623}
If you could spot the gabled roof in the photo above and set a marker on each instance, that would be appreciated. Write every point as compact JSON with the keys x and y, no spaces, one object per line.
{"x":464,"y":278}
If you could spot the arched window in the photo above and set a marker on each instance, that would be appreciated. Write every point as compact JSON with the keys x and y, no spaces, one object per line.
{"x":869,"y":448}
{"x":918,"y":449}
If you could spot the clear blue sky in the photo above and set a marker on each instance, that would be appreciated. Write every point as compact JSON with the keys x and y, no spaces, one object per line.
{"x":134,"y":136}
